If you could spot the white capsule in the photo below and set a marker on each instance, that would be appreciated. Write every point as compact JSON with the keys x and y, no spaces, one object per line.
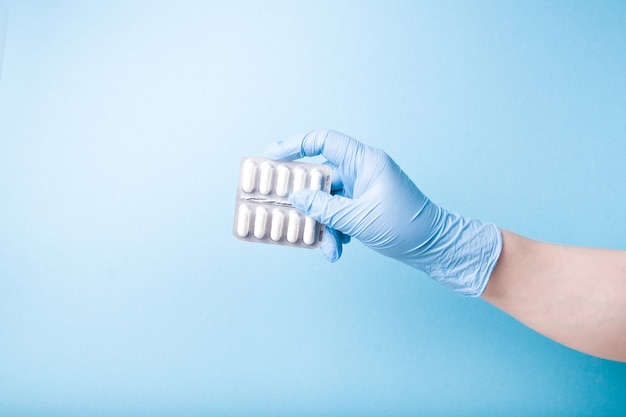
{"x":299,"y":179}
{"x":278,"y":220}
{"x":265,"y":179}
{"x":308,"y":236}
{"x":260,"y":222}
{"x":243,"y":220}
{"x":293,"y":227}
{"x":282,"y":181}
{"x":317,"y":180}
{"x":248,"y":176}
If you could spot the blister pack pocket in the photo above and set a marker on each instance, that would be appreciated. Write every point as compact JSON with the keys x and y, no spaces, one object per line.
{"x":262,"y":210}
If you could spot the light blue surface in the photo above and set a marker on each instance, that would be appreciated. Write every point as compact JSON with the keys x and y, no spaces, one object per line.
{"x":122,"y":290}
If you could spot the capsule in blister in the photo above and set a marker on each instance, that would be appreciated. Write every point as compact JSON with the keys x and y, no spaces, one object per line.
{"x":317,"y":180}
{"x":248,"y":176}
{"x":308,"y":234}
{"x":282,"y":181}
{"x":265,"y":178}
{"x":299,"y":179}
{"x":260,"y":222}
{"x":293,"y":227}
{"x":243,"y":220}
{"x":278,"y":221}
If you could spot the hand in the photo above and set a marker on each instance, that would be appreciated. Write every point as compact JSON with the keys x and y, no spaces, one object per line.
{"x":374,"y":201}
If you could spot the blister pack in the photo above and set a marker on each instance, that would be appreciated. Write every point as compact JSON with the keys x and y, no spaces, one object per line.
{"x":262,"y":209}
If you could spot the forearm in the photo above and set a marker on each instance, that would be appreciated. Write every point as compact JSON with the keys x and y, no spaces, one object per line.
{"x":576,"y":296}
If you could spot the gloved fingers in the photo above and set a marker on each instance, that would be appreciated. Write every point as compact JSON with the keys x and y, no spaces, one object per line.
{"x":355,"y":166}
{"x":332,"y":245}
{"x":334,"y":211}
{"x":285,"y":150}
{"x":336,"y":147}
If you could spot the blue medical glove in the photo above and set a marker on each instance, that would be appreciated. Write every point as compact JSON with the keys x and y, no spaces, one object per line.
{"x":374,"y":201}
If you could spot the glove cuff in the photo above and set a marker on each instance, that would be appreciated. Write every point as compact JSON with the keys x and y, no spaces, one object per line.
{"x":465,"y":253}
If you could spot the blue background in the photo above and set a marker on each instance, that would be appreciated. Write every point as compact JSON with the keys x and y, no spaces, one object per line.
{"x":122,"y":290}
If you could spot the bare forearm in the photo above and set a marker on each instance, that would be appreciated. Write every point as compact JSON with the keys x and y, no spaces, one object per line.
{"x":576,"y":296}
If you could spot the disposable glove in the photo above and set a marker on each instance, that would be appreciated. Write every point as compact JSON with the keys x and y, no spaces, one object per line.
{"x":374,"y":201}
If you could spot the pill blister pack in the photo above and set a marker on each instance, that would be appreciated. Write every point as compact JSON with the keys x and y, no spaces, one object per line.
{"x":262,"y":209}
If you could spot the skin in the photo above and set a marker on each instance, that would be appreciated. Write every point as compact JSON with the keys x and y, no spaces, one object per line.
{"x":573,"y":295}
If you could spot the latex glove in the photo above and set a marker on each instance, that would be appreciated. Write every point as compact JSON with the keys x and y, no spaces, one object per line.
{"x":375,"y":202}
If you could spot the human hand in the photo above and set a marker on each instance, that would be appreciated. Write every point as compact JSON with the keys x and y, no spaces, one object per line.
{"x":374,"y":201}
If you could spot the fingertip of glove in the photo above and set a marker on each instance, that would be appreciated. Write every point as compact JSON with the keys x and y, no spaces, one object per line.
{"x":274,"y":150}
{"x":301,"y":200}
{"x":286,"y":150}
{"x":332,"y":254}
{"x":331,"y":246}
{"x":332,"y":258}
